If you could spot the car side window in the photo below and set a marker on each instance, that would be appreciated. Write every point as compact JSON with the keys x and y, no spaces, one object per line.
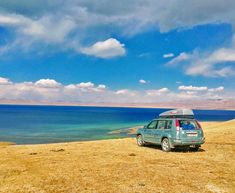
{"x":168,"y":124}
{"x":161,"y":124}
{"x":152,"y":125}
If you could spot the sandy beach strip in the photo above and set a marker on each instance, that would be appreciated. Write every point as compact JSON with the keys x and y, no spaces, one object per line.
{"x":119,"y":165}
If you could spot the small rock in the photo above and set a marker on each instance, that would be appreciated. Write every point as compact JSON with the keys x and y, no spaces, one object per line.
{"x":34,"y":153}
{"x":132,"y":154}
{"x":57,"y":150}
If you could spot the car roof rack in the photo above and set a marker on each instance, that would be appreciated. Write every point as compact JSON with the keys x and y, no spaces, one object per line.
{"x":178,"y":113}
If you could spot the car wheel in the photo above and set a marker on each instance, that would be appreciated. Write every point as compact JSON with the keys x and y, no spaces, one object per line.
{"x":166,"y":145}
{"x":196,"y":148}
{"x":140,"y":141}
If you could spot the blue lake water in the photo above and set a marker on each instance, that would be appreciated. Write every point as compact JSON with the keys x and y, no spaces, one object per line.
{"x":29,"y":124}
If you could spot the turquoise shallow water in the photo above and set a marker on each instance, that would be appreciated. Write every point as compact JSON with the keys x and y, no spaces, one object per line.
{"x":48,"y":124}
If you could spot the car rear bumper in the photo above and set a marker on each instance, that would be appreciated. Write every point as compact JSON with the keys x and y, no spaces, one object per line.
{"x":179,"y":142}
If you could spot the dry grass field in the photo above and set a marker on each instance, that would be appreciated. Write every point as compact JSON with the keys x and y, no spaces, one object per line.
{"x":120,"y":166}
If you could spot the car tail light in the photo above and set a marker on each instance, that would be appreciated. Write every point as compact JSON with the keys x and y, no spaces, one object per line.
{"x":199,"y":126}
{"x":177,"y":125}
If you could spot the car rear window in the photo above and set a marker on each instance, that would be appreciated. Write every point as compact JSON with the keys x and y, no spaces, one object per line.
{"x":188,"y":124}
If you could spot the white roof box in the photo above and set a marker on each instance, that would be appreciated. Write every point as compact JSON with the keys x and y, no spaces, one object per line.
{"x":178,"y":113}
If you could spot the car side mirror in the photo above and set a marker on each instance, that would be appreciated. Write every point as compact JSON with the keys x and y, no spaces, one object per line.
{"x":145,"y":127}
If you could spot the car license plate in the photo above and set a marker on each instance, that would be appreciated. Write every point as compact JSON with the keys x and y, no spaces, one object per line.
{"x":192,"y":134}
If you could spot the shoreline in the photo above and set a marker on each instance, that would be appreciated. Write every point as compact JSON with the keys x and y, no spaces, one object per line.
{"x":115,"y":106}
{"x":130,"y":132}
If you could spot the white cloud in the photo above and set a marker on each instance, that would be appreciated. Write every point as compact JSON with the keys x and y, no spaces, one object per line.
{"x":218,"y":89}
{"x":208,"y":65}
{"x":134,"y":15}
{"x":142,"y":81}
{"x":85,"y":85}
{"x":193,"y":88}
{"x":66,"y":22}
{"x":157,"y":92}
{"x":214,"y":64}
{"x":107,"y":49}
{"x":47,"y":83}
{"x":163,"y":90}
{"x":47,"y":28}
{"x":13,"y":20}
{"x":101,"y":86}
{"x":49,"y":90}
{"x":125,"y":92}
{"x":202,"y":92}
{"x":222,"y":55}
{"x":178,"y":59}
{"x":4,"y":81}
{"x":168,"y":55}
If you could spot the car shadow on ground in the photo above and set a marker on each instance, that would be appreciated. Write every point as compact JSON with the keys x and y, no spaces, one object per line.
{"x":178,"y":149}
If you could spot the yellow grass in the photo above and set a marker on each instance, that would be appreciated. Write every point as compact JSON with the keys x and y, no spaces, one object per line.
{"x":120,"y":166}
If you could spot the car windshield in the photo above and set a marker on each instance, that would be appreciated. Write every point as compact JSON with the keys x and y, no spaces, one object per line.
{"x":188,"y":124}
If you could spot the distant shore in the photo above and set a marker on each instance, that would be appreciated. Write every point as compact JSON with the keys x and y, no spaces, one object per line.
{"x":200,"y":105}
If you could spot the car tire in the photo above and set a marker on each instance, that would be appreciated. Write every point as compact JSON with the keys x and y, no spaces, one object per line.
{"x":166,"y":145}
{"x":196,"y":148}
{"x":140,"y":141}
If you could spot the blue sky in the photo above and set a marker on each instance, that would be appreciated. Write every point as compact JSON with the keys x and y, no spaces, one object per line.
{"x":137,"y":51}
